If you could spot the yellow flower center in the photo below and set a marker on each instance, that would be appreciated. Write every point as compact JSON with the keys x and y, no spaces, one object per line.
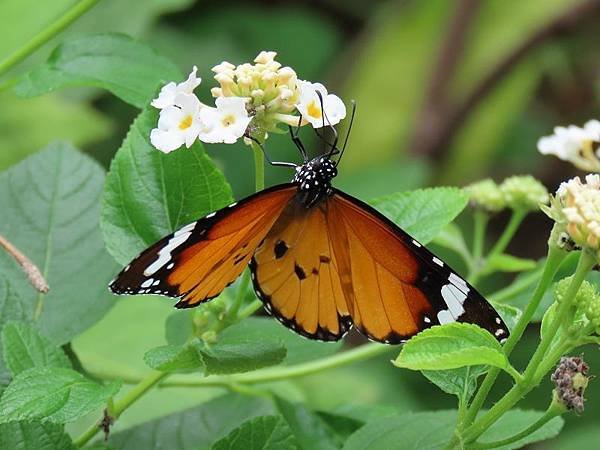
{"x":228,"y":120}
{"x":185,"y":123}
{"x":314,"y":110}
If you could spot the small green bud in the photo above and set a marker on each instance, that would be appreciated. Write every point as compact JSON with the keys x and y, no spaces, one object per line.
{"x":524,"y":192}
{"x":201,"y":318}
{"x":586,"y":295}
{"x":486,"y":195}
{"x":210,"y":337}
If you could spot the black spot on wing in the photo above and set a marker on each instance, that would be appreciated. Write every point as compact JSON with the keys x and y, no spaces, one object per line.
{"x":280,"y":249}
{"x":299,"y":272}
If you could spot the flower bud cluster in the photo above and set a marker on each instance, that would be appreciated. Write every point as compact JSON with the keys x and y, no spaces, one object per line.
{"x":517,"y":192}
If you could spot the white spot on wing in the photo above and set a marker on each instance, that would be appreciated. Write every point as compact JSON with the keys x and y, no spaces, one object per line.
{"x":147,"y":283}
{"x":438,"y":261}
{"x":498,"y":321}
{"x":164,"y":254}
{"x":416,"y":244}
{"x":208,"y":216}
{"x":426,"y":319}
{"x":499,"y":332}
{"x":459,"y":282}
{"x":454,"y":298}
{"x":444,"y":317}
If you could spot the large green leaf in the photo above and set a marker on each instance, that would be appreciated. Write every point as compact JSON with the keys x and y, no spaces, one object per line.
{"x":311,"y":432}
{"x":12,"y":307}
{"x":50,"y":203}
{"x":461,"y":382}
{"x":451,"y":346}
{"x":148,"y":194}
{"x":260,"y":433}
{"x":34,"y":436}
{"x":24,"y":348}
{"x":174,"y":358}
{"x":425,"y":212}
{"x":129,"y":69}
{"x":193,"y":429}
{"x":433,"y":430}
{"x":52,"y":394}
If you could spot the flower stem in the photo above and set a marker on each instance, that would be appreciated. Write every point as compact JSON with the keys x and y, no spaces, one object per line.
{"x":259,"y":167}
{"x":550,"y":414}
{"x":46,"y":34}
{"x":118,"y":407}
{"x":553,"y":261}
{"x":511,"y":228}
{"x":480,"y":224}
{"x":532,"y":375}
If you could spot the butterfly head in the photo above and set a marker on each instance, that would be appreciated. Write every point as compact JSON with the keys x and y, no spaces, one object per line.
{"x":314,"y":179}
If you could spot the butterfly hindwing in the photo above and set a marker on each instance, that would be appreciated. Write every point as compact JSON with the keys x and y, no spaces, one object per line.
{"x":399,"y":267}
{"x":196,"y":262}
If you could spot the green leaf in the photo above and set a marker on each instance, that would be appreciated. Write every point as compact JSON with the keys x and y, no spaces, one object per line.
{"x":265,"y":329}
{"x":433,"y":430}
{"x":50,"y":206}
{"x":451,"y":346}
{"x":260,"y":433}
{"x":149,"y":194}
{"x":127,"y":68}
{"x":195,"y":428}
{"x":515,"y":421}
{"x":223,"y":358}
{"x":12,"y":307}
{"x":416,"y":431}
{"x":509,"y":263}
{"x":461,"y":382}
{"x":52,"y":394}
{"x":25,"y":348}
{"x":34,"y":436}
{"x":425,"y":212}
{"x":311,"y":432}
{"x":219,"y":358}
{"x":451,"y":237}
{"x":174,"y":358}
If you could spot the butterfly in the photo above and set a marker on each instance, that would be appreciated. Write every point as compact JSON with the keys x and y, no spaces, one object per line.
{"x":321,"y":261}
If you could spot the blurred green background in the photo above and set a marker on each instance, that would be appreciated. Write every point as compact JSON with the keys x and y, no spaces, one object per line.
{"x":410,"y":66}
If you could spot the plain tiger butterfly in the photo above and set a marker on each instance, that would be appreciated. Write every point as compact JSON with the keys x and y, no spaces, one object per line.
{"x":321,"y":261}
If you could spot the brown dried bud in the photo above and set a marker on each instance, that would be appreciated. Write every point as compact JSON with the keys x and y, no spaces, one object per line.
{"x":571,"y":379}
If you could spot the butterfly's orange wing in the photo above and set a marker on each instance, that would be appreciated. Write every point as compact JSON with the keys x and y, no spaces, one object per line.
{"x":198,"y":261}
{"x":341,"y":262}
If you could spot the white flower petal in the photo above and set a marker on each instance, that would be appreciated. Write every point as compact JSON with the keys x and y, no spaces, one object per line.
{"x":169,"y":92}
{"x":165,"y":141}
{"x":309,"y":105}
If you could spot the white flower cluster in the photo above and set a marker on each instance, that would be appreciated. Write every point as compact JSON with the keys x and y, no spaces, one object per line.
{"x":576,"y":207}
{"x":575,"y":144}
{"x":251,"y":100}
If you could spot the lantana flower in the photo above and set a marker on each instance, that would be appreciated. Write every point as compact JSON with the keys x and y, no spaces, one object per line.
{"x":225,"y":123}
{"x":576,"y":210}
{"x":252,"y":100}
{"x":178,"y":124}
{"x":166,"y":96}
{"x":309,"y":105}
{"x":578,"y":145}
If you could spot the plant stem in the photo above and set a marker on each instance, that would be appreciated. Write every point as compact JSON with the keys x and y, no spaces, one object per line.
{"x":480,"y":221}
{"x":550,"y":414}
{"x":259,"y":168}
{"x":520,"y":285}
{"x":250,"y":309}
{"x":239,"y":296}
{"x":532,"y":376}
{"x":46,"y":34}
{"x":555,"y":257}
{"x":511,"y":228}
{"x":118,"y":407}
{"x":285,"y":373}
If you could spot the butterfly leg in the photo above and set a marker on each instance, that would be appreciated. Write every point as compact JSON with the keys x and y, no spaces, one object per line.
{"x":273,"y":163}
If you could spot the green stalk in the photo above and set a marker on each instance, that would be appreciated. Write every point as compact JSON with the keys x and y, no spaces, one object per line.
{"x":480,"y":221}
{"x":259,"y":167}
{"x":118,"y":407}
{"x":550,"y":414}
{"x":532,"y":375}
{"x":553,"y":261}
{"x":46,"y":34}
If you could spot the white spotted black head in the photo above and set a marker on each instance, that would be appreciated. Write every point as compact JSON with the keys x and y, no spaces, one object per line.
{"x":314,"y":179}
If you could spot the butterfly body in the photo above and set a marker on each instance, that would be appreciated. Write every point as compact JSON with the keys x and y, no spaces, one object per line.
{"x":321,"y":261}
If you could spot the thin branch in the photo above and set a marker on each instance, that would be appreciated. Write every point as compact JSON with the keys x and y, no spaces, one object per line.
{"x":31,"y":270}
{"x":565,"y":23}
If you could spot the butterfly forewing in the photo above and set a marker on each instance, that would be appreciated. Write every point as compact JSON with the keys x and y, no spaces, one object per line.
{"x":198,"y":261}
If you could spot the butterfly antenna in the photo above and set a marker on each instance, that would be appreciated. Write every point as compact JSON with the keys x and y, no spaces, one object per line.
{"x":296,"y":139}
{"x":348,"y":132}
{"x":273,"y":163}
